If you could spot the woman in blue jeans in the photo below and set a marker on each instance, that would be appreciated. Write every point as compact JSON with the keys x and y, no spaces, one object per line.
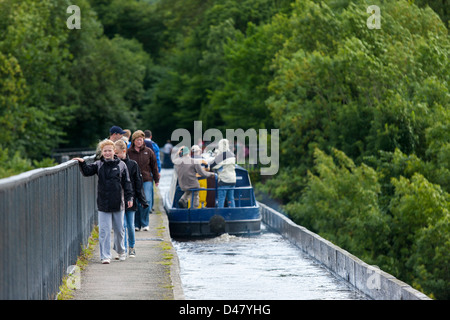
{"x":136,"y":182}
{"x":224,"y":164}
{"x":223,"y":193}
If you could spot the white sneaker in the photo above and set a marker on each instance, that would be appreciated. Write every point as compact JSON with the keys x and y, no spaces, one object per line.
{"x":106,"y":261}
{"x":137,"y":229}
{"x":146,"y":228}
{"x":123,"y":256}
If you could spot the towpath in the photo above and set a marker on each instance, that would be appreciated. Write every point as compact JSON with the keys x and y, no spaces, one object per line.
{"x":152,"y":275}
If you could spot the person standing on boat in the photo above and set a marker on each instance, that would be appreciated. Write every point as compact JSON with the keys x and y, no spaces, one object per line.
{"x":197,"y":155}
{"x":224,"y":164}
{"x":187,"y":170}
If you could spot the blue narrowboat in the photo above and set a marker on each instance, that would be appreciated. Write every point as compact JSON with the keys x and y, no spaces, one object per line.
{"x":208,"y":220}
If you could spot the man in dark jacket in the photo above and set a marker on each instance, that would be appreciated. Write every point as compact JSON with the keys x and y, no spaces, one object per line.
{"x":146,"y":160}
{"x":114,"y":190}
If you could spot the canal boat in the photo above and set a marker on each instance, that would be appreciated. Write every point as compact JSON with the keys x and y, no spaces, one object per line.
{"x":208,"y":220}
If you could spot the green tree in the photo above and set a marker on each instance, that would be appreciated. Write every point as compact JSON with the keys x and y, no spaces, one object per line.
{"x":438,"y":142}
{"x":240,"y":95}
{"x":340,"y":202}
{"x":138,"y":20}
{"x":109,"y":84}
{"x":34,"y":37}
{"x":12,"y":95}
{"x":108,"y":78}
{"x":204,"y":62}
{"x":438,"y":6}
{"x":420,"y":226}
{"x":339,"y":84}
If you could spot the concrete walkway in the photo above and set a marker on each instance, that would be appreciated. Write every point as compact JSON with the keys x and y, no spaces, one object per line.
{"x":152,"y":275}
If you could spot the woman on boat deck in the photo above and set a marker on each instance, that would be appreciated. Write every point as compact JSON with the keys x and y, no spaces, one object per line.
{"x":186,"y":169}
{"x":114,"y":191}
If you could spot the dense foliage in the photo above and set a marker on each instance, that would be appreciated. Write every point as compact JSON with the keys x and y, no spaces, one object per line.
{"x":63,"y":87}
{"x":363,"y":113}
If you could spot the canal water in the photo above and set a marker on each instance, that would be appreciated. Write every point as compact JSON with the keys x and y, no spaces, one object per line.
{"x":262,"y":267}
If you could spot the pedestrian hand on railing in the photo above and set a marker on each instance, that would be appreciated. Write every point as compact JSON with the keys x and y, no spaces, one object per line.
{"x":114,"y":191}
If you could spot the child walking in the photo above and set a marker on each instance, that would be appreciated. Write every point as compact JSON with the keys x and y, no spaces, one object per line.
{"x":114,"y":190}
{"x":138,"y":188}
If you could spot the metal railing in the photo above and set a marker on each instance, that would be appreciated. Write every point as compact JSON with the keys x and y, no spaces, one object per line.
{"x":46,"y":217}
{"x":63,"y":155}
{"x":239,"y":189}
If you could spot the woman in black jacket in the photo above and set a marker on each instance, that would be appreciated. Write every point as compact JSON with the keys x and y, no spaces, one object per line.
{"x":114,"y":190}
{"x":137,"y":183}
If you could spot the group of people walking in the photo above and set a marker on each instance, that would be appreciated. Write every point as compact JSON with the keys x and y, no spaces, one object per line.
{"x":127,"y":165}
{"x":126,"y":169}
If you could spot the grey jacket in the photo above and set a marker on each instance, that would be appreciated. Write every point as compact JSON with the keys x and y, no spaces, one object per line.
{"x":186,"y":169}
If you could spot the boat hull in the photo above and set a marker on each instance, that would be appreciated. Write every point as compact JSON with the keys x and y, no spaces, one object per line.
{"x":213,"y":221}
